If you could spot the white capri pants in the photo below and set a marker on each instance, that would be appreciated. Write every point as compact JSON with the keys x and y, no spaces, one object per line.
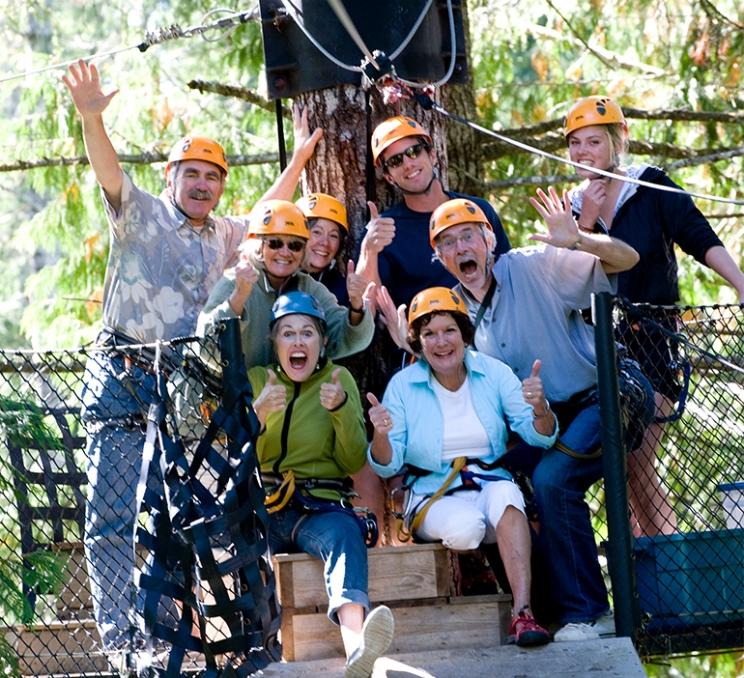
{"x":465,"y":519}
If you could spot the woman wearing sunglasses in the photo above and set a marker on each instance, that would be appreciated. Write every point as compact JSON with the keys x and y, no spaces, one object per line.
{"x":269,"y":265}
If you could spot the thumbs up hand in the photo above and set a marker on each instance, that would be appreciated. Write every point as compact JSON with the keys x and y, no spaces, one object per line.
{"x":356,"y":286}
{"x":332,"y":395}
{"x":533,"y":391}
{"x":273,"y":398}
{"x":378,"y":415}
{"x":380,"y":230}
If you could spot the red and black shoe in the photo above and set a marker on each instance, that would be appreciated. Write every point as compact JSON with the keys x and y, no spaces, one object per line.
{"x":526,"y":632}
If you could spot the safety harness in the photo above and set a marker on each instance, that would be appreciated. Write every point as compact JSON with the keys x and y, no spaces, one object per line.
{"x":286,"y":490}
{"x":410,"y":521}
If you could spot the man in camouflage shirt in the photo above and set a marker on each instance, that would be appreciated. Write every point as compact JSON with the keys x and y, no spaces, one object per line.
{"x":166,"y":254}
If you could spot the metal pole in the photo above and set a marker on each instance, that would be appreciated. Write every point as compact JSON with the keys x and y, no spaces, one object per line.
{"x":613,"y":459}
{"x":280,"y":135}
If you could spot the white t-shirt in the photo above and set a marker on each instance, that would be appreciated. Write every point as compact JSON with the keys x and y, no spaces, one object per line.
{"x":463,"y":434}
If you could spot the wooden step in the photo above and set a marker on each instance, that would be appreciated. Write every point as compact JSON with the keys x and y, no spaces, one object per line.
{"x":66,"y":646}
{"x":395,"y":573}
{"x":75,"y":595}
{"x":415,"y":580}
{"x":467,"y":621}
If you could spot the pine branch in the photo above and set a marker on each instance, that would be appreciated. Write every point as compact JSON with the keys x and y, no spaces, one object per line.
{"x":705,"y":159}
{"x":242,"y":93}
{"x":610,"y":59}
{"x":595,"y":52}
{"x":130,"y":159}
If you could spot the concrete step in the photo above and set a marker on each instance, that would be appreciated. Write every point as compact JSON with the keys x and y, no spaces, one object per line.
{"x":607,"y":657}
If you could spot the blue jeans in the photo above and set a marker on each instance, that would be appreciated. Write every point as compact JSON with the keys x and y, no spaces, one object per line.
{"x":114,"y":454}
{"x":335,"y":539}
{"x":566,"y":535}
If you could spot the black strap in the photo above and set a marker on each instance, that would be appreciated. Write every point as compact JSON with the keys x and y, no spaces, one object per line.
{"x":485,"y":303}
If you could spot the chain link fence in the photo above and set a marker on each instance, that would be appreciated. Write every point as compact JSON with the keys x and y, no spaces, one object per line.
{"x":686,"y":479}
{"x":205,"y":602}
{"x":166,"y":573}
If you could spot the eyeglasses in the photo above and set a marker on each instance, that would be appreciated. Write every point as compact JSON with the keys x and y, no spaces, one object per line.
{"x":411,"y":152}
{"x":448,"y":242}
{"x":291,"y":245}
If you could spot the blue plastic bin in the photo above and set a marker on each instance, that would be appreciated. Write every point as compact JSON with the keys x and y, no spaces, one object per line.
{"x":692,"y":579}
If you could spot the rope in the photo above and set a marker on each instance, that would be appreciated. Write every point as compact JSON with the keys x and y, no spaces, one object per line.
{"x":173,"y":32}
{"x":426,"y":102}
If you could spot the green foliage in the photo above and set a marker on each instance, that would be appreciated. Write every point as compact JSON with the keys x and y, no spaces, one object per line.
{"x":529,"y":64}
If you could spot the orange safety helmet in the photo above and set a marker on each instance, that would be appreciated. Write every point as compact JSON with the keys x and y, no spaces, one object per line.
{"x":435,"y":299}
{"x":197,"y":148}
{"x":391,"y":130}
{"x":452,"y":213}
{"x":277,"y":217}
{"x":323,"y":206}
{"x":594,"y":110}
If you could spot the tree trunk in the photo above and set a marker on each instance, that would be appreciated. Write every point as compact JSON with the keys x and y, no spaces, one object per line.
{"x":342,"y":159}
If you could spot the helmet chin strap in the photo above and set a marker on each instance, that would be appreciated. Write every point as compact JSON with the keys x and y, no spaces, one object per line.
{"x":434,"y":177}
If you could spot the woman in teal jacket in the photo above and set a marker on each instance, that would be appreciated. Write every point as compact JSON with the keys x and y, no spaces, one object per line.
{"x":443,"y":420}
{"x":312,"y":439}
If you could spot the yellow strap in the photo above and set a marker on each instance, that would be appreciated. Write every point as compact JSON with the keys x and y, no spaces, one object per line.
{"x":278,"y":499}
{"x":575,"y":455}
{"x":457,"y":465}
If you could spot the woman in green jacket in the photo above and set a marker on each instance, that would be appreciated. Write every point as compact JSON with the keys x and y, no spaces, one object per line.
{"x":312,"y":439}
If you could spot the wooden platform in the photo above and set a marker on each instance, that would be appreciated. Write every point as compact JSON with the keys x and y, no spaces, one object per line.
{"x":415,"y":581}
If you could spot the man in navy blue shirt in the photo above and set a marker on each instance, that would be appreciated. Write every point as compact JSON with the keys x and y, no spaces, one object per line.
{"x":395,"y":251}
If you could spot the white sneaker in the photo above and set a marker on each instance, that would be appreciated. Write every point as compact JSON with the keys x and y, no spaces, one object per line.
{"x":377,"y":634}
{"x":605,"y":625}
{"x":599,"y":628}
{"x":576,"y":631}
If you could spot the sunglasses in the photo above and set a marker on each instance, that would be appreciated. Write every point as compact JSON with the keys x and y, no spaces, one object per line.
{"x":278,"y":243}
{"x":411,"y":152}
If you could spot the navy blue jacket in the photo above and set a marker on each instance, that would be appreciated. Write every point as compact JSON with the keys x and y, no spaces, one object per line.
{"x":652,"y":222}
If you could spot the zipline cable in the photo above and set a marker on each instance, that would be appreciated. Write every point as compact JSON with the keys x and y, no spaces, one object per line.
{"x":292,"y":11}
{"x":428,"y":103}
{"x":397,"y":52}
{"x":157,"y":37}
{"x":343,"y":16}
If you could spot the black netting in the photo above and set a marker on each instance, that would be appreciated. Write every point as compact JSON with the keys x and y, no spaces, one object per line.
{"x":196,"y":594}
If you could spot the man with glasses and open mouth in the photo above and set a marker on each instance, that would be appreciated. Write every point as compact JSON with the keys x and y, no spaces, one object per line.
{"x":395,"y":251}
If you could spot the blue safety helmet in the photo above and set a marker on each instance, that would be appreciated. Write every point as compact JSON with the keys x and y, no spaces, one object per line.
{"x":299,"y":303}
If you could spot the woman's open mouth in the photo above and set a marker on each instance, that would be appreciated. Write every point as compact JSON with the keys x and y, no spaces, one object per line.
{"x":297,"y":360}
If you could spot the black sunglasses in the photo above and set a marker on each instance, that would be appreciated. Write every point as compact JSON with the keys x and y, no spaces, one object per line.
{"x":411,"y":152}
{"x":278,"y":243}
